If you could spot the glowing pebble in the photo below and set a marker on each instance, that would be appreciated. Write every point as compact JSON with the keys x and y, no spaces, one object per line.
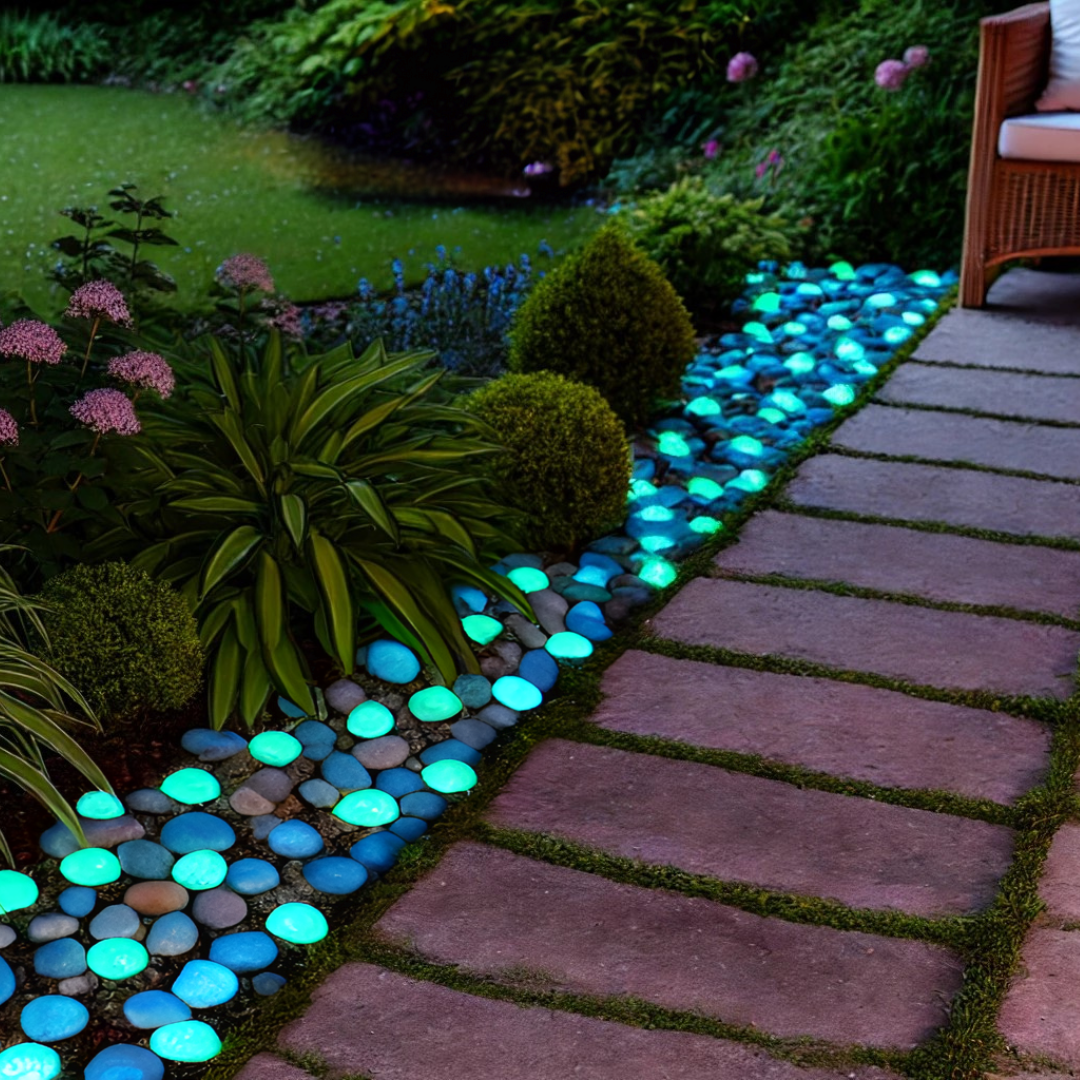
{"x":298,"y":923}
{"x":370,"y":719}
{"x":448,"y":776}
{"x":100,"y":806}
{"x":191,"y":786}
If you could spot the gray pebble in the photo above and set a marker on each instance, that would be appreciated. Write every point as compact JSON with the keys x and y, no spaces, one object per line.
{"x":117,"y":920}
{"x":151,"y":801}
{"x":518,"y":560}
{"x":532,"y":637}
{"x":50,"y":926}
{"x":79,"y":984}
{"x":385,"y":752}
{"x":344,"y":695}
{"x":473,"y":733}
{"x":510,"y":653}
{"x":550,"y":609}
{"x":498,"y":716}
{"x":7,"y":935}
{"x":262,"y":825}
{"x":561,"y":569}
{"x":494,"y":667}
{"x":414,"y":763}
{"x":319,"y":793}
{"x":219,"y":908}
{"x":250,"y":803}
{"x":275,"y":785}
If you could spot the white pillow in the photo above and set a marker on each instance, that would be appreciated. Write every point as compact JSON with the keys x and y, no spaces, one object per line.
{"x":1063,"y":89}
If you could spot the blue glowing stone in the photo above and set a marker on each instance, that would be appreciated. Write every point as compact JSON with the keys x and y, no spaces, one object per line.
{"x":377,"y":851}
{"x":197,"y":831}
{"x":586,"y":619}
{"x":29,"y":1061}
{"x":392,"y":662}
{"x":449,"y":776}
{"x":188,"y":1041}
{"x":249,"y":951}
{"x":198,"y":870}
{"x":540,"y":669}
{"x":125,"y":1062}
{"x":154,"y":1009}
{"x":295,"y":840}
{"x":61,"y":959}
{"x":482,"y":629}
{"x":17,"y":891}
{"x":839,"y":395}
{"x":369,"y":720}
{"x":250,"y":877}
{"x":191,"y":786}
{"x":569,"y":646}
{"x":99,"y":806}
{"x":517,"y":693}
{"x":7,"y":979}
{"x":468,"y":597}
{"x":435,"y":704}
{"x":202,"y":984}
{"x":335,"y":875}
{"x":300,"y":924}
{"x":277,"y":748}
{"x":52,"y":1018}
{"x":528,"y":579}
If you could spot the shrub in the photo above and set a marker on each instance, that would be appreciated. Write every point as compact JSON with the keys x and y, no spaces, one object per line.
{"x":704,"y":242}
{"x":40,"y":48}
{"x":567,"y":463}
{"x":128,"y":642}
{"x":607,"y":317}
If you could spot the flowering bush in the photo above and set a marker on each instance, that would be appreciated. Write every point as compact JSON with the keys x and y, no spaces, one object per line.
{"x":741,"y":66}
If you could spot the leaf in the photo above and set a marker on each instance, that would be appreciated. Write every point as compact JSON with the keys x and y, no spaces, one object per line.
{"x":230,"y":425}
{"x":269,"y":602}
{"x":335,"y":587}
{"x":229,"y":555}
{"x":255,"y":687}
{"x":218,"y":504}
{"x":368,"y":499}
{"x":224,"y":377}
{"x":39,"y":786}
{"x":294,"y":514}
{"x":283,"y":662}
{"x":224,"y":679}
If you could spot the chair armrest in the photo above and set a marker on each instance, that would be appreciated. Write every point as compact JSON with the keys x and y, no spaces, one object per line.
{"x":1014,"y":56}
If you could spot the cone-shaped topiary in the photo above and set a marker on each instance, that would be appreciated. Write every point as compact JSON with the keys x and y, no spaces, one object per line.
{"x":567,"y":462}
{"x":607,"y":317}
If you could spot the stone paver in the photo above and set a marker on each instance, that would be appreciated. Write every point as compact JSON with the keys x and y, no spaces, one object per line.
{"x":367,"y":1020}
{"x":1006,"y":393}
{"x":847,"y":730}
{"x":979,"y":440}
{"x":268,"y":1067}
{"x":760,"y":832}
{"x":936,"y":566}
{"x":924,"y":646}
{"x":979,"y":500}
{"x":1038,"y":296}
{"x":1041,"y":1014}
{"x":490,"y":912}
{"x":1060,"y":885}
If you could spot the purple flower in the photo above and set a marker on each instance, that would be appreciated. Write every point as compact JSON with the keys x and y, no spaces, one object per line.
{"x":538,"y":168}
{"x":99,"y":300}
{"x":107,"y":410}
{"x":890,"y":74}
{"x":9,"y":430}
{"x":741,"y":66}
{"x":145,"y":370}
{"x":917,"y":56}
{"x":245,"y":272}
{"x":31,"y":340}
{"x":711,"y":148}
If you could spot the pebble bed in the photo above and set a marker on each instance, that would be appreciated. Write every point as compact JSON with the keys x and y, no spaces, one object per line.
{"x":190,"y":893}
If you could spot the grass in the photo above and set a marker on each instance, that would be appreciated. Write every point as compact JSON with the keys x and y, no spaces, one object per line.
{"x":320,"y":220}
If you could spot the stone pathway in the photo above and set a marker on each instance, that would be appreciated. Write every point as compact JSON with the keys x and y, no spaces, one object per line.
{"x":761,"y":855}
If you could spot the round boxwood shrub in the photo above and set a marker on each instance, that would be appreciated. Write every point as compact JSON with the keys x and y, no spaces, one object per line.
{"x":608,"y":317}
{"x":127,"y":641}
{"x":566,"y":463}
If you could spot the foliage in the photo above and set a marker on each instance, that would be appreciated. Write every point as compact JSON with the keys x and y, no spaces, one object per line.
{"x":297,"y":495}
{"x":608,"y":317}
{"x":566,"y":463}
{"x":38,"y":47}
{"x":705,"y":242}
{"x":128,"y":642}
{"x":38,"y":706}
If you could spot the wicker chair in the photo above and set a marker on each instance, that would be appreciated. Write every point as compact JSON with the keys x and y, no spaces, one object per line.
{"x":1015,"y":208}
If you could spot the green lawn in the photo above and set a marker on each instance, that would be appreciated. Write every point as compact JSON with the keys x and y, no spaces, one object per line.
{"x":321,"y":221}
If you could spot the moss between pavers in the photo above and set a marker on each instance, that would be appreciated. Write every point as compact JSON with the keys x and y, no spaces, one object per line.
{"x":962,"y":410}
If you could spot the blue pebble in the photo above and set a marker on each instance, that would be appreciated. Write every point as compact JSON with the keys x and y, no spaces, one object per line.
{"x":398,"y":782}
{"x":60,"y":959}
{"x":345,"y":772}
{"x":318,"y":751}
{"x":53,"y":1017}
{"x":172,"y":935}
{"x":319,"y":792}
{"x":452,"y":750}
{"x":202,"y":984}
{"x":117,"y":920}
{"x":7,"y":980}
{"x":78,"y":900}
{"x":335,"y":875}
{"x":145,"y":859}
{"x":295,"y":840}
{"x":263,"y":825}
{"x":377,"y":851}
{"x":474,"y":733}
{"x":473,"y":690}
{"x":314,"y":733}
{"x":604,"y":562}
{"x":125,"y":1062}
{"x":210,"y":745}
{"x":593,"y":575}
{"x":289,"y":709}
{"x":409,"y":828}
{"x":469,"y":598}
{"x":154,"y":1009}
{"x":267,"y":984}
{"x":538,"y":666}
{"x":58,"y":841}
{"x":392,"y":662}
{"x":251,"y":950}
{"x":423,"y":804}
{"x":196,"y":831}
{"x":586,"y":619}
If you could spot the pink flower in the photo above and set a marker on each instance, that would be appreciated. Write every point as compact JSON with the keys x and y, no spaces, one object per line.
{"x":890,"y":74}
{"x":99,"y":300}
{"x":711,"y":148}
{"x":245,"y":272}
{"x":917,"y":56}
{"x":741,"y":66}
{"x":31,"y":340}
{"x":286,"y":318}
{"x":145,"y":370}
{"x":107,"y":410}
{"x":9,"y":430}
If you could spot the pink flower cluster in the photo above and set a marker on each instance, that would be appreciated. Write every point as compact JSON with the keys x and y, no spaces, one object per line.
{"x":891,"y":74}
{"x":711,"y":148}
{"x":741,"y":66}
{"x":107,"y":410}
{"x":9,"y":430}
{"x":28,"y":339}
{"x":99,"y":300}
{"x":245,"y":272}
{"x":774,"y":161}
{"x":145,"y":370}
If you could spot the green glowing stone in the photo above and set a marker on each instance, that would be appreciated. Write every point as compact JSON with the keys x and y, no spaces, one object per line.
{"x":767,"y":302}
{"x":864,"y":367}
{"x":187,"y":1041}
{"x":191,"y":786}
{"x":772,"y":416}
{"x":786,"y":400}
{"x":839,"y":322}
{"x":704,"y":406}
{"x":926,"y":278}
{"x":808,"y":288}
{"x":99,"y":805}
{"x":435,"y":704}
{"x":639,"y":489}
{"x":202,"y":869}
{"x":528,"y":579}
{"x":839,"y":395}
{"x":754,"y":278}
{"x":673,"y":444}
{"x":746,"y":444}
{"x":706,"y":526}
{"x":301,"y":924}
{"x":881,"y":300}
{"x":368,"y":807}
{"x":658,"y":572}
{"x":277,"y":748}
{"x":846,"y":349}
{"x":705,"y":488}
{"x":569,"y":646}
{"x":448,"y":776}
{"x":91,"y":866}
{"x":733,"y":373}
{"x":759,"y":331}
{"x":799,"y":363}
{"x":656,"y":513}
{"x":370,"y":719}
{"x":116,"y":958}
{"x":17,"y":891}
{"x":913,"y":318}
{"x":794,"y":328}
{"x":29,"y":1061}
{"x":896,"y":335}
{"x":655,"y":544}
{"x":482,"y":629}
{"x":842,"y":271}
{"x":750,"y":480}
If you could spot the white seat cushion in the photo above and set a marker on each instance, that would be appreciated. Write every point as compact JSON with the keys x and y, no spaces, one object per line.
{"x":1063,"y":89}
{"x":1041,"y":137}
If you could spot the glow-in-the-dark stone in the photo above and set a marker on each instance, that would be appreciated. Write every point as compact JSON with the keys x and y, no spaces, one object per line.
{"x":90,"y":866}
{"x":839,"y":322}
{"x":794,"y":328}
{"x":202,"y":869}
{"x":301,"y":924}
{"x":807,"y":288}
{"x":772,"y":416}
{"x":800,"y":363}
{"x":926,"y":278}
{"x":754,"y":278}
{"x":435,"y":704}
{"x":528,"y":579}
{"x":839,"y":395}
{"x":673,"y":444}
{"x":655,"y":544}
{"x":277,"y":748}
{"x":768,"y":302}
{"x":116,"y":958}
{"x":846,"y":349}
{"x":864,"y":367}
{"x":913,"y":318}
{"x":367,"y":807}
{"x":656,"y":513}
{"x":369,"y":720}
{"x":191,"y":786}
{"x":640,"y":489}
{"x":759,"y":331}
{"x":735,"y":373}
{"x":881,"y":300}
{"x":17,"y":891}
{"x":705,"y":525}
{"x":482,"y":629}
{"x":567,"y":645}
{"x":896,"y":335}
{"x":29,"y":1061}
{"x":842,"y":271}
{"x":100,"y":806}
{"x":704,"y":406}
{"x":516,"y":693}
{"x":448,"y":776}
{"x":187,"y":1041}
{"x":704,"y":488}
{"x":656,"y":571}
{"x":746,"y":444}
{"x":786,"y":400}
{"x":749,"y":480}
